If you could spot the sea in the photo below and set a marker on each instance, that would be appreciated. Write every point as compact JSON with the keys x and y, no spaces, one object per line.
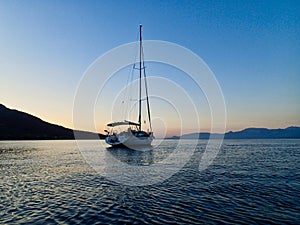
{"x":55,"y":182}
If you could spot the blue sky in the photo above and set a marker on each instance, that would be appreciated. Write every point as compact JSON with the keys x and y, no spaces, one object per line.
{"x":252,"y":47}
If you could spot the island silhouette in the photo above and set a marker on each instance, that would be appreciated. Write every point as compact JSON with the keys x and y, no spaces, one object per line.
{"x":17,"y":125}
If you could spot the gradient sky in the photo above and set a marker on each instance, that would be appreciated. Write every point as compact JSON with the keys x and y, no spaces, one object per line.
{"x":253,"y":48}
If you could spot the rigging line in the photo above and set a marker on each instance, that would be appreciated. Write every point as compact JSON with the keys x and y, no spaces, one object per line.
{"x":132,"y":83}
{"x":128,"y":91}
{"x":125,"y":108}
{"x":146,"y":90}
{"x":128,"y":88}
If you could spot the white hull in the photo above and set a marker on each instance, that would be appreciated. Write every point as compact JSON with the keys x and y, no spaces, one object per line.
{"x":128,"y":140}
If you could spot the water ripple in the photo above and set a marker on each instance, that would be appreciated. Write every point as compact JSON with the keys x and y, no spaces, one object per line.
{"x":251,"y":181}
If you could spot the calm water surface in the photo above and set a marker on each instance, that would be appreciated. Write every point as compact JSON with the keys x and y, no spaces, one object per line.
{"x":251,"y":181}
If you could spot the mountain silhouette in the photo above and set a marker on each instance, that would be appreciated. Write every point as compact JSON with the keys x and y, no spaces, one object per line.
{"x":258,"y":133}
{"x":17,"y":125}
{"x":249,"y":133}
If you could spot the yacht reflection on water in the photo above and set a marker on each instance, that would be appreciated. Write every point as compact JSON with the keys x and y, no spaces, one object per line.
{"x":136,"y":157}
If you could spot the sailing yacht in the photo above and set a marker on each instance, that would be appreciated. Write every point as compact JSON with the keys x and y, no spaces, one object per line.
{"x":128,"y":133}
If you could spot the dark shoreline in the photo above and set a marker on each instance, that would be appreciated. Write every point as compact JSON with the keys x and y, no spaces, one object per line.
{"x":17,"y":125}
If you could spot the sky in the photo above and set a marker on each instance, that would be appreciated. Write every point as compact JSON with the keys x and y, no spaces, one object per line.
{"x":252,"y":47}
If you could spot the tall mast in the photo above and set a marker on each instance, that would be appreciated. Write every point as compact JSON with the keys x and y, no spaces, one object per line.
{"x":140,"y":91}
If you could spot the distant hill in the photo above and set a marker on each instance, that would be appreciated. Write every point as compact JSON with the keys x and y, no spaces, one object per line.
{"x":289,"y":132}
{"x":16,"y":125}
{"x":249,"y":133}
